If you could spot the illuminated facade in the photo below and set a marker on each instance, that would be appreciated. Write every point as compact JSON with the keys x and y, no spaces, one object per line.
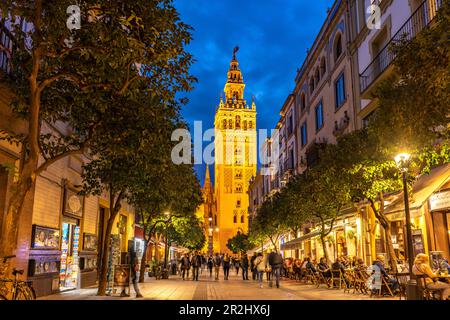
{"x":235,"y":156}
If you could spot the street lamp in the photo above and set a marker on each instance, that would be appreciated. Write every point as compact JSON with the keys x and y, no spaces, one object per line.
{"x":411,"y":288}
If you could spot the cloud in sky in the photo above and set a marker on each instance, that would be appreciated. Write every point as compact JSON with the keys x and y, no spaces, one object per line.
{"x":273,"y":37}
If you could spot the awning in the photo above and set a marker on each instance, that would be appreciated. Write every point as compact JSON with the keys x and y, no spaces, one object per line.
{"x":422,"y":189}
{"x":295,"y":244}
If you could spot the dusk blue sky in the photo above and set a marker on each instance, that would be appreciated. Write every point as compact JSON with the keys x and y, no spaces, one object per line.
{"x":273,"y":37}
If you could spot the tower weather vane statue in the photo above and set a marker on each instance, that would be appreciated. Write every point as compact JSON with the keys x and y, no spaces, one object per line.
{"x":236,"y":49}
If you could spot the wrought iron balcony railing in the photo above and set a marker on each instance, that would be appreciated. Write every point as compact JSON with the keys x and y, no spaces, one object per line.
{"x":419,"y":20}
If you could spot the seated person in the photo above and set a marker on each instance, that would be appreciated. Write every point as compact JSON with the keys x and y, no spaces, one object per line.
{"x":324,"y":267}
{"x":379,"y":262}
{"x":297,"y":268}
{"x":360,"y":265}
{"x":310,"y":265}
{"x":422,"y":267}
{"x":337,"y":265}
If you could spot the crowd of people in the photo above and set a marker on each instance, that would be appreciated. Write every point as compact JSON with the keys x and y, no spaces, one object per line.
{"x":273,"y":266}
{"x":193,"y":264}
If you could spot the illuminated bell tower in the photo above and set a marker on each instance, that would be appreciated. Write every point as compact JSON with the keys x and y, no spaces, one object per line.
{"x":235,"y":156}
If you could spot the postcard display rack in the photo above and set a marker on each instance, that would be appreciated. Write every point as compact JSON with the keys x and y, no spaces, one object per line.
{"x":114,"y":259}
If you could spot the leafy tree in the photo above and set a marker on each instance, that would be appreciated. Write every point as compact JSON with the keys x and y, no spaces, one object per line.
{"x":239,"y":243}
{"x":170,"y":187}
{"x":188,"y":232}
{"x":121,"y":47}
{"x":268,"y":224}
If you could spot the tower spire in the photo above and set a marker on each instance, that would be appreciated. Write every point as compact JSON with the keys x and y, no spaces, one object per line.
{"x":207,"y":177}
{"x":234,"y":87}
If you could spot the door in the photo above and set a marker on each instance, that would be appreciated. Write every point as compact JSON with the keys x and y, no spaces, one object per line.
{"x":69,"y":272}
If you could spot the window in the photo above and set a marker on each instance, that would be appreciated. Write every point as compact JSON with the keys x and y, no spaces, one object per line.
{"x":224,"y":124}
{"x":238,"y":122}
{"x":317,"y":77}
{"x":340,"y":91}
{"x":245,"y":124}
{"x":230,"y":124}
{"x":290,"y":124}
{"x":323,"y":67}
{"x":238,"y":203}
{"x":238,"y":187}
{"x":242,"y":219}
{"x":338,"y":47}
{"x":319,"y":116}
{"x":215,"y":220}
{"x":311,"y":85}
{"x":303,"y":101}
{"x":235,"y":218}
{"x":250,"y":125}
{"x":304,"y":134}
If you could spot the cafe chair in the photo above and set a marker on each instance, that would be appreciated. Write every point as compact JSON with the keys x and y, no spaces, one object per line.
{"x":426,"y":293}
{"x":337,"y":277}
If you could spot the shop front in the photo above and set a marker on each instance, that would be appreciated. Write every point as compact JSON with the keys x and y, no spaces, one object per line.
{"x":439,"y":207}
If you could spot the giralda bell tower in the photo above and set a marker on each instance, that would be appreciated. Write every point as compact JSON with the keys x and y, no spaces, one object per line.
{"x":235,"y":156}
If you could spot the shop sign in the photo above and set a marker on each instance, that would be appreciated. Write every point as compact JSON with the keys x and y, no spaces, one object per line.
{"x":440,"y":200}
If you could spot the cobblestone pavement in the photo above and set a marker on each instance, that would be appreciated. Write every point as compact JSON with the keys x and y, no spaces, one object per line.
{"x":207,"y":288}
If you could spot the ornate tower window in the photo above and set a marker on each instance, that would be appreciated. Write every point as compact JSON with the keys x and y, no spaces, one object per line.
{"x":224,"y":124}
{"x":230,"y":124}
{"x":238,"y":122}
{"x":245,"y":124}
{"x":250,"y":124}
{"x":238,"y":187}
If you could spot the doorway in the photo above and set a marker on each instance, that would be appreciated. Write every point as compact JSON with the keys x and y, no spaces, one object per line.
{"x":70,"y":236}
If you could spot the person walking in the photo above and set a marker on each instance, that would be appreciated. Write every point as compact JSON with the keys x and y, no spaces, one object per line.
{"x":134,"y":262}
{"x":226,"y":266}
{"x":252,"y":266}
{"x":236,"y":265}
{"x":210,"y":265}
{"x":260,"y":267}
{"x":276,"y":263}
{"x":196,"y":263}
{"x":217,"y":263}
{"x":185,"y":265}
{"x":244,"y":266}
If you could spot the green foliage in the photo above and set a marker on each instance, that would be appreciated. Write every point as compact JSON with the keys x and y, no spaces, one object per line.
{"x":239,"y":243}
{"x":414,"y":102}
{"x":187,"y":232}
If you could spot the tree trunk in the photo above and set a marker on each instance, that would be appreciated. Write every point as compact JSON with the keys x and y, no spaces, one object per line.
{"x":114,"y":209}
{"x":102,"y":283}
{"x":391,"y":251}
{"x":10,"y":226}
{"x":379,"y":214}
{"x":325,"y":251}
{"x":143,"y":262}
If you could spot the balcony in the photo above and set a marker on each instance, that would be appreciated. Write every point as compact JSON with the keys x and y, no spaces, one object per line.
{"x":419,"y":20}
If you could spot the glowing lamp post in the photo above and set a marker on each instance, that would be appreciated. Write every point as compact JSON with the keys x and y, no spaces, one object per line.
{"x":411,"y":289}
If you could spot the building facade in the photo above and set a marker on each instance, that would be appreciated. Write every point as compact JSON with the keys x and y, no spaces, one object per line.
{"x":235,"y":156}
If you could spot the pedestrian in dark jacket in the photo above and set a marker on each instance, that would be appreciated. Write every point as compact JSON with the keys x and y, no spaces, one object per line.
{"x":252,"y":266}
{"x":217,"y":263}
{"x":244,"y":266}
{"x":276,"y":263}
{"x":196,"y":263}
{"x":185,"y":265}
{"x":226,"y":261}
{"x":210,"y":265}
